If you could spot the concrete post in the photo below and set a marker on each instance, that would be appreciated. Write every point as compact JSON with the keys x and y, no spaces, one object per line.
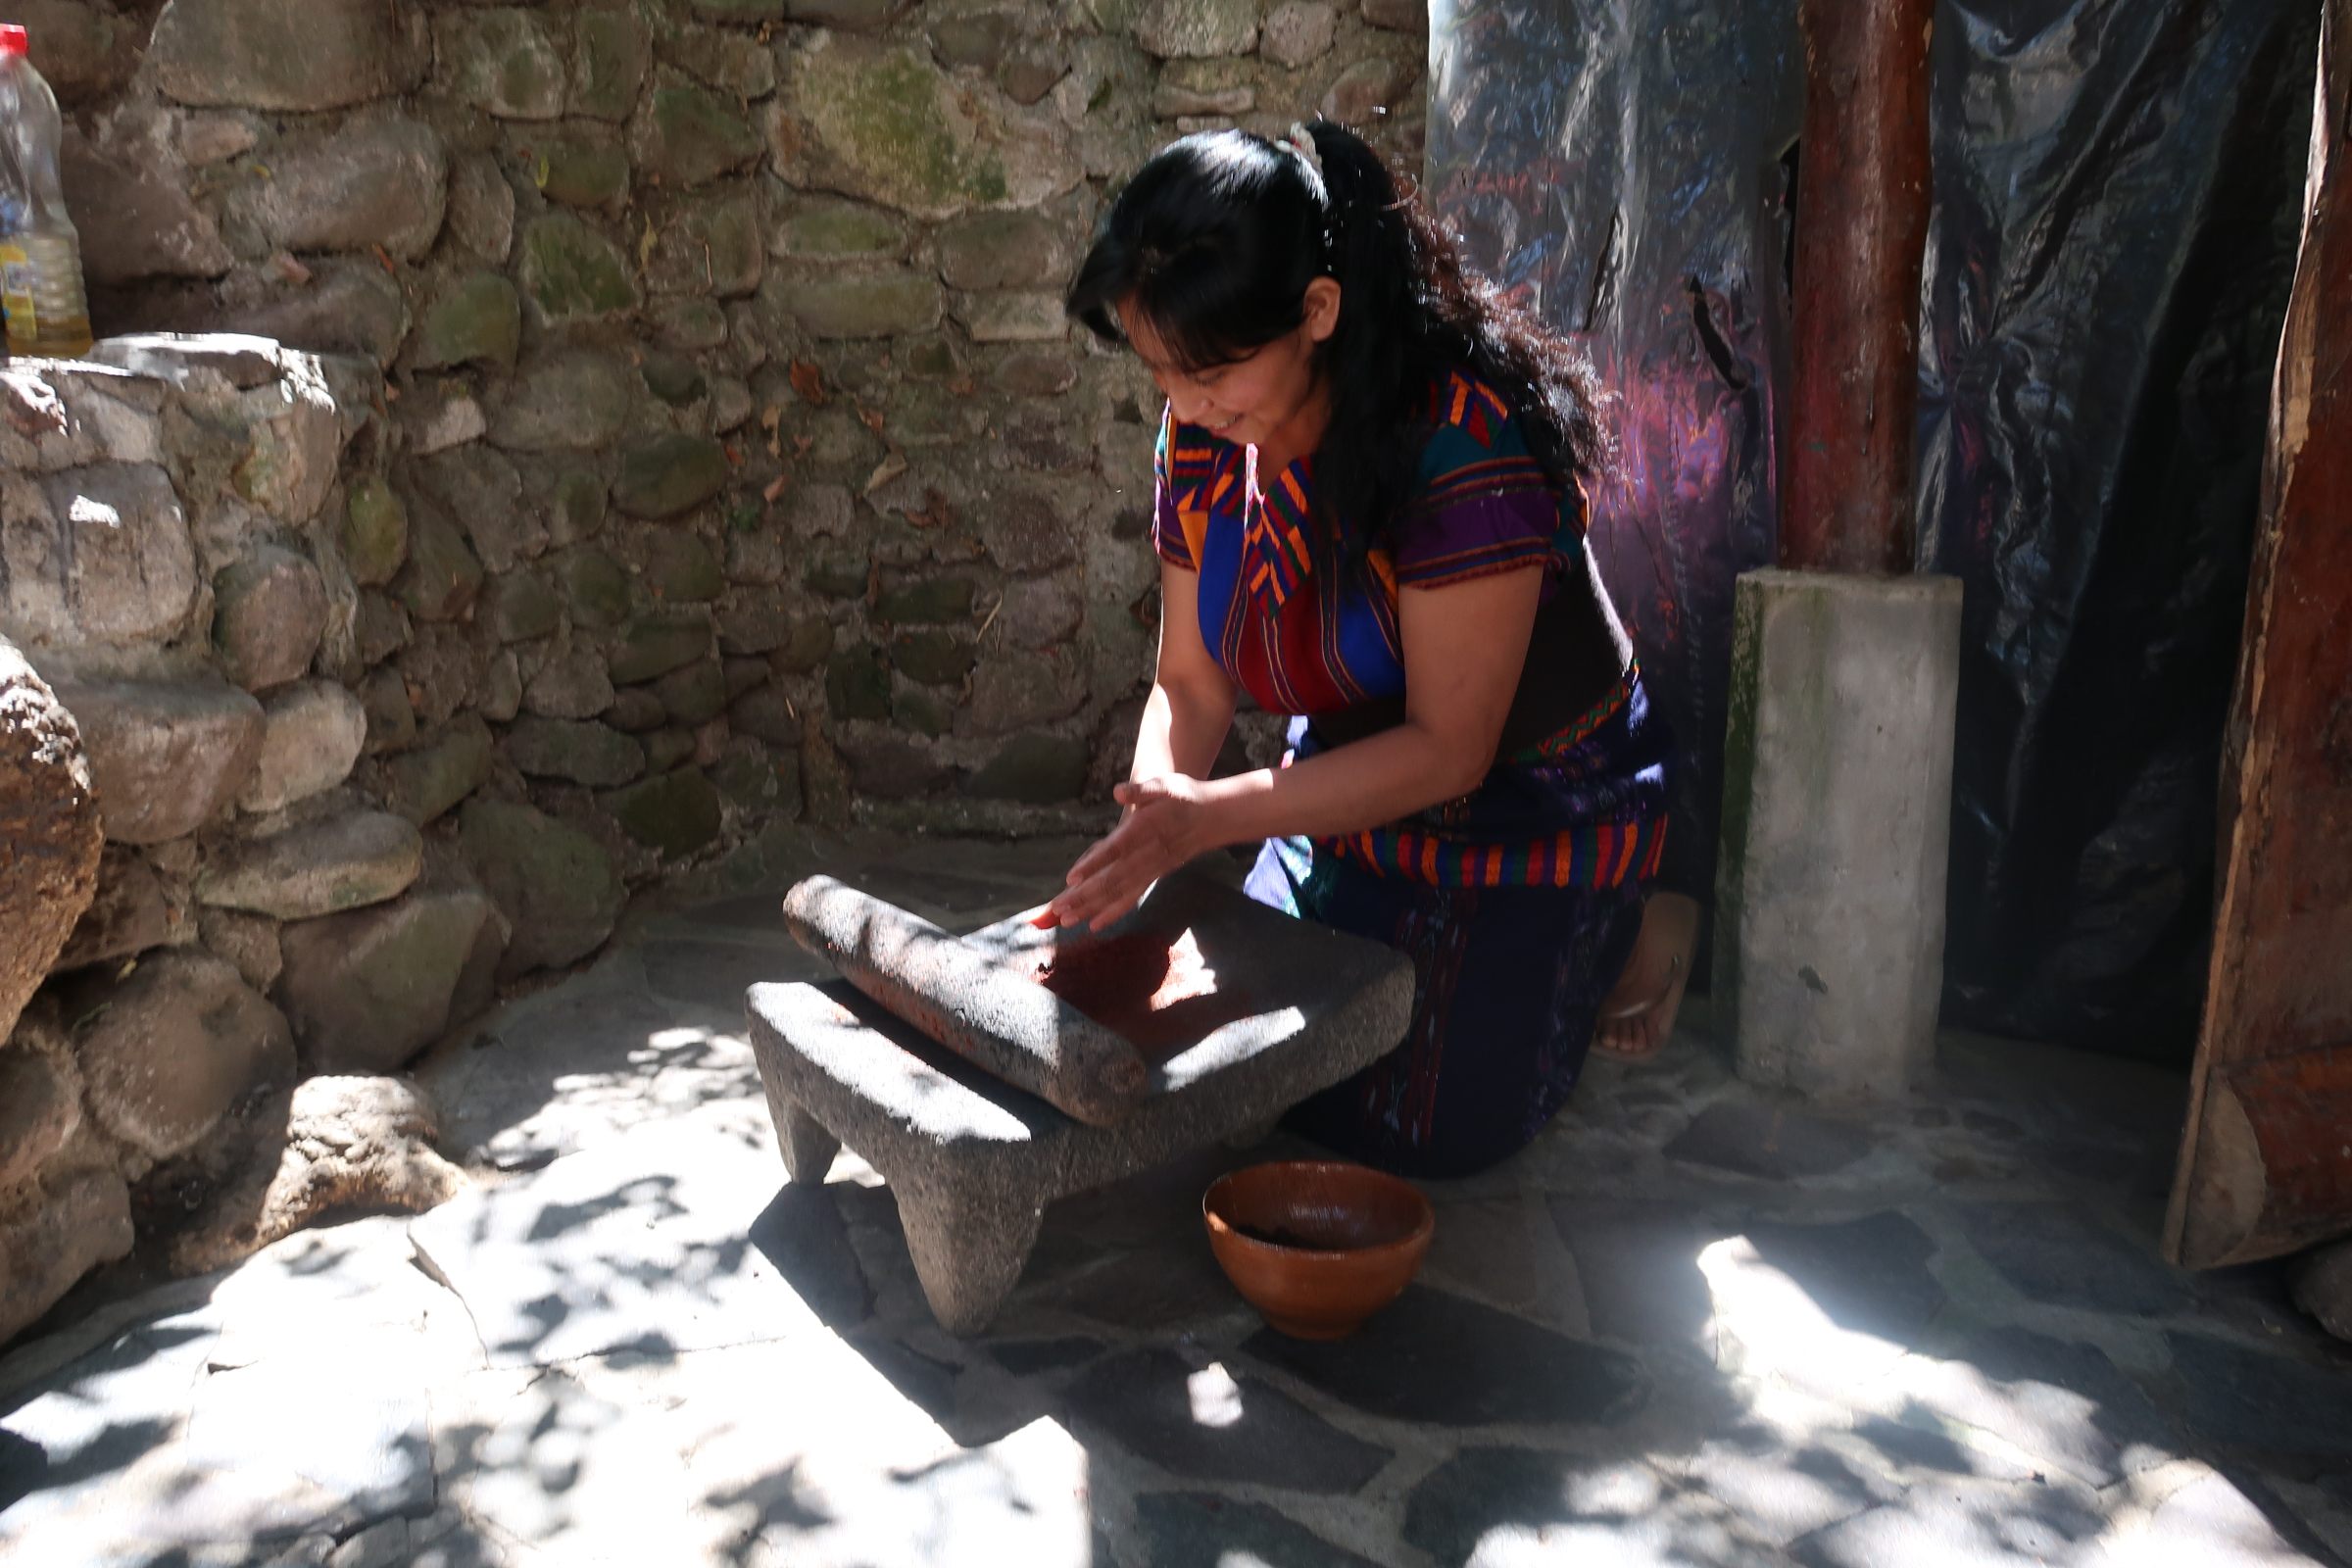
{"x":1837,"y":817}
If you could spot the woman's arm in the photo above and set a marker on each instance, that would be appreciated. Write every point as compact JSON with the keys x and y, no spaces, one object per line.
{"x":1191,"y":708}
{"x":1465,"y":648}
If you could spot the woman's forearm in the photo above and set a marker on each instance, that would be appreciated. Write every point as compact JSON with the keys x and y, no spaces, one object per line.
{"x":1364,"y":784}
{"x":1182,"y":731}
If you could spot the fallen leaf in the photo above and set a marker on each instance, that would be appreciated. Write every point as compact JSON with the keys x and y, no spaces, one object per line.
{"x":934,"y":513}
{"x":774,"y":488}
{"x":886,"y":469}
{"x":809,"y":383}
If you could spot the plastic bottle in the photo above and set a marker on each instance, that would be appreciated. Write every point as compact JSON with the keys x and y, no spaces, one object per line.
{"x":40,"y":254}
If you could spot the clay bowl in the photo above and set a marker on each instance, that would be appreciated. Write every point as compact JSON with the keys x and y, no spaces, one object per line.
{"x":1317,"y":1245}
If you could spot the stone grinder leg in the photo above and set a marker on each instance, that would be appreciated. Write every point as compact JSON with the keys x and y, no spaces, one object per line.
{"x":808,"y":1149}
{"x":968,"y":1248}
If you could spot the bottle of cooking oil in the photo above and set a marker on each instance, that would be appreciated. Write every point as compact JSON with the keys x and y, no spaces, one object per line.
{"x":41,"y":255}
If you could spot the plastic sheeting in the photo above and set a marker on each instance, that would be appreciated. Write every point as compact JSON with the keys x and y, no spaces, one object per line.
{"x":2117,"y":188}
{"x":1619,"y":163}
{"x":2117,"y":201}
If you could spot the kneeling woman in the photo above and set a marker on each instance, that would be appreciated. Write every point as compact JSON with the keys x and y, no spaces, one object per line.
{"x":1369,"y":513}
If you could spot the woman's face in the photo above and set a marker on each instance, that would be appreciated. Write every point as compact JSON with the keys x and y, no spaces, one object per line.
{"x":1248,"y":400}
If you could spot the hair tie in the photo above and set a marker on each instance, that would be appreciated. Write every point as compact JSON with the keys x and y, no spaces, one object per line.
{"x":1298,"y":141}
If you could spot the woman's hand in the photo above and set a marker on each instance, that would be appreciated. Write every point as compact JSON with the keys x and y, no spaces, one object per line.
{"x":1168,"y":821}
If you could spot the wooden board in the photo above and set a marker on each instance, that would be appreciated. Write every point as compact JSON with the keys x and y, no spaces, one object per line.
{"x":2266,"y":1161}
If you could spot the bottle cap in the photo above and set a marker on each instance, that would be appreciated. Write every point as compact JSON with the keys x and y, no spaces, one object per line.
{"x":13,"y":40}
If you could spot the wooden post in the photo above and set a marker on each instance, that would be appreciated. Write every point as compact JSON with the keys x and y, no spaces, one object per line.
{"x":1861,"y":232}
{"x":2267,"y":1156}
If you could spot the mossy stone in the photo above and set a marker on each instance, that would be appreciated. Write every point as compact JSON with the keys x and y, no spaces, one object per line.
{"x":376,"y":532}
{"x":857,"y":683}
{"x":675,"y":813}
{"x":573,"y":273}
{"x":582,"y":174}
{"x":664,"y":475}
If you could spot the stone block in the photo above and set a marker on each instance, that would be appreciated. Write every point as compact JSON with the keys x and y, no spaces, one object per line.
{"x":581,"y":174}
{"x":1298,"y":32}
{"x":577,"y":750}
{"x":819,"y":231}
{"x":1030,"y":317}
{"x":477,"y":320}
{"x":50,"y":823}
{"x":573,"y":683}
{"x":344,"y":861}
{"x":565,"y":400}
{"x":1020,"y":690}
{"x":1035,"y":769}
{"x":1398,"y":16}
{"x":479,"y":485}
{"x":164,"y":756}
{"x":481,"y":207}
{"x":347,"y":307}
{"x":685,"y":135}
{"x":442,"y":574}
{"x":81,"y":1222}
{"x":556,"y":887}
{"x":134,"y":221}
{"x":40,"y":1105}
{"x":657,"y":644}
{"x":260,"y":54}
{"x":423,"y":784}
{"x":368,"y":989}
{"x":377,"y":184}
{"x":709,"y":245}
{"x":1005,"y":250}
{"x":570,"y":272}
{"x":1836,"y":811}
{"x":376,"y":532}
{"x":882,"y":122}
{"x":268,"y":613}
{"x":312,"y":734}
{"x":608,"y":60}
{"x":890,"y":303}
{"x":95,"y":554}
{"x":127,"y":915}
{"x":1198,"y":29}
{"x":522,"y":607}
{"x":662,"y":476}
{"x":675,"y":813}
{"x":680,"y":569}
{"x":164,"y":1053}
{"x":504,"y":61}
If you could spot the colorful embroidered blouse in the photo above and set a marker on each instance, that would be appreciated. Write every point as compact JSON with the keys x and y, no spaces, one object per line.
{"x":1304,"y":631}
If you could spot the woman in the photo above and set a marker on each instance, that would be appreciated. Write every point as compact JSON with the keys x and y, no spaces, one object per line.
{"x":1369,"y":511}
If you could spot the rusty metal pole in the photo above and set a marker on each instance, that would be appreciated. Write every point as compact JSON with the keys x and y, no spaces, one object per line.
{"x":1861,"y":230}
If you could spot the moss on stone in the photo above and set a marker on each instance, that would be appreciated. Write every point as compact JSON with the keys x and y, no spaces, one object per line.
{"x":376,"y":532}
{"x":571,"y":273}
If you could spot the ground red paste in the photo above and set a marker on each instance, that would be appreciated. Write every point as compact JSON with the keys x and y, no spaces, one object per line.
{"x":1157,"y":994}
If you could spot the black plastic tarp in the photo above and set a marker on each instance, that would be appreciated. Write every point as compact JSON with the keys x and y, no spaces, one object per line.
{"x":1618,"y":163}
{"x":2118,"y":192}
{"x":2116,"y":186}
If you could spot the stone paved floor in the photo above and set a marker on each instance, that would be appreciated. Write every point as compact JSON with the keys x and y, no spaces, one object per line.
{"x":1690,"y":1327}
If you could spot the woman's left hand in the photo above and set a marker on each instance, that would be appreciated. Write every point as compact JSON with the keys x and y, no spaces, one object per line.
{"x":1167,"y":823}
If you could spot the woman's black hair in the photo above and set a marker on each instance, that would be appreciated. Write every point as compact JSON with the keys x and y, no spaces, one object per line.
{"x":1214,"y":243}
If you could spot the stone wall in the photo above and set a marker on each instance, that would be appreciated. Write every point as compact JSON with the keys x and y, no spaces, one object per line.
{"x":675,"y":437}
{"x":736,"y":422}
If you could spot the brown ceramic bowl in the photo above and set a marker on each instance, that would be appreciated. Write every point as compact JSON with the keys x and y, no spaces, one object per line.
{"x":1317,"y":1245}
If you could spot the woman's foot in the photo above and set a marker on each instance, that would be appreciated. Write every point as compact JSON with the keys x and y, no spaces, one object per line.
{"x":1638,"y":1016}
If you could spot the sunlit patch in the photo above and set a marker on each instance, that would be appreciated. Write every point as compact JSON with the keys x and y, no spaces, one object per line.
{"x":1217,"y":1398}
{"x":1765,"y":1322}
{"x":93,"y":513}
